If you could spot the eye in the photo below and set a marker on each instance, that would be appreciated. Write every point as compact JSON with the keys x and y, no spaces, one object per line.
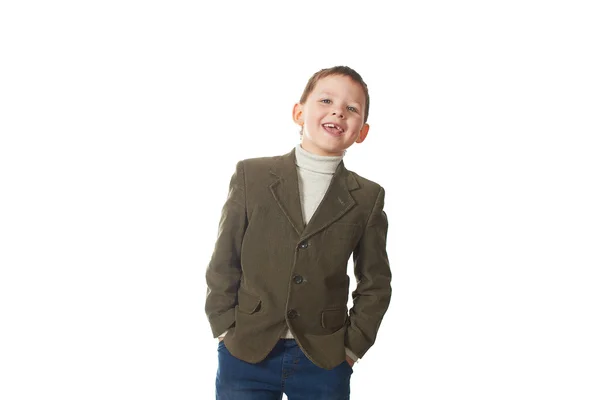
{"x":326,"y":101}
{"x":353,"y":109}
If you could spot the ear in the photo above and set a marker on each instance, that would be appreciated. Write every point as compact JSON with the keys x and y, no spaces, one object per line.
{"x":364,"y":131}
{"x":297,"y":114}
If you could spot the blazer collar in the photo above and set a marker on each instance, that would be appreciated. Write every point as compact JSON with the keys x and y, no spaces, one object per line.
{"x":336,"y":202}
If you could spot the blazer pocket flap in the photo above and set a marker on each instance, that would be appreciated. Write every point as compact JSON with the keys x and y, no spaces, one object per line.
{"x":333,"y":319}
{"x":247,"y":302}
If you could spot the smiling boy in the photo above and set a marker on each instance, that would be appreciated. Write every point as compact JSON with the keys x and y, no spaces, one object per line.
{"x":332,"y":115}
{"x":277,"y":280}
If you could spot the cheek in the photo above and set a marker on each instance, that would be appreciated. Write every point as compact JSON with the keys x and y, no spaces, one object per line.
{"x":315,"y":124}
{"x":357,"y":125}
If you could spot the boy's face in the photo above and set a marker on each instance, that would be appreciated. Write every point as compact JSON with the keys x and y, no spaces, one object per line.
{"x":332,"y":117}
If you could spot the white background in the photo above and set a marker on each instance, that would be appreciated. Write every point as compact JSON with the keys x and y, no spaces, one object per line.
{"x":121,"y":123}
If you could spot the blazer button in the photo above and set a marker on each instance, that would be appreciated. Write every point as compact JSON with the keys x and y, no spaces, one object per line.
{"x":298,"y":279}
{"x":303,"y":245}
{"x":292,"y":314}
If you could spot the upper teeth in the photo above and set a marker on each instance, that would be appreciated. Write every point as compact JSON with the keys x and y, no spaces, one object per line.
{"x":332,"y":126}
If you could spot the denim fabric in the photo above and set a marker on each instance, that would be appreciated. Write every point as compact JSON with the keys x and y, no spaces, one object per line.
{"x":285,"y":370}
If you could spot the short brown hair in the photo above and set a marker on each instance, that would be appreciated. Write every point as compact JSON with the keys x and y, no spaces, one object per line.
{"x":339,"y":70}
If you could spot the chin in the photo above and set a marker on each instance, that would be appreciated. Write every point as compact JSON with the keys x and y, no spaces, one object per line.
{"x":326,"y":147}
{"x":333,"y":151}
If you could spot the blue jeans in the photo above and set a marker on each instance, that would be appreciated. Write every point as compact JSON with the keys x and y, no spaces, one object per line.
{"x":285,"y":370}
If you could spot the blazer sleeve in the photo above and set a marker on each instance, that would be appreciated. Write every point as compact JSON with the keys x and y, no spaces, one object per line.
{"x":373,"y":290}
{"x":224,"y":269}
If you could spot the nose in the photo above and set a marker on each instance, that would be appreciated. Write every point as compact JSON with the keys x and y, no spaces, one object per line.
{"x":339,"y":114}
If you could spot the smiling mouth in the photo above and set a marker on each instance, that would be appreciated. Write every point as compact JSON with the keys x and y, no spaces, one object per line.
{"x":334,"y":129}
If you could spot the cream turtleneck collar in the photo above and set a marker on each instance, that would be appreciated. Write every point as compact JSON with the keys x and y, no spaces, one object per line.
{"x":316,"y":163}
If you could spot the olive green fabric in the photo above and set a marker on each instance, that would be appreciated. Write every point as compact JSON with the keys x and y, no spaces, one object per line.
{"x":269,"y":270}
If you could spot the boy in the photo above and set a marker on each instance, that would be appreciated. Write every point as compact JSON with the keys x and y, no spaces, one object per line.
{"x":277,"y":280}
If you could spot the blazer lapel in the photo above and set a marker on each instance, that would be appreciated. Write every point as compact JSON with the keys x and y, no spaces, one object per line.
{"x":286,"y":191}
{"x":336,"y":202}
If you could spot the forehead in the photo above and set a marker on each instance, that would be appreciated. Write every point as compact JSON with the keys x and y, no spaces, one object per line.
{"x":340,"y":85}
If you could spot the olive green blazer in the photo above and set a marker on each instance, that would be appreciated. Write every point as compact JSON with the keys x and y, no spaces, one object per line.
{"x":269,"y":270}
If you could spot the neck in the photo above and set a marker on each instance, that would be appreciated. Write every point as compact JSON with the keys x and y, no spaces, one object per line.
{"x":306,"y":145}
